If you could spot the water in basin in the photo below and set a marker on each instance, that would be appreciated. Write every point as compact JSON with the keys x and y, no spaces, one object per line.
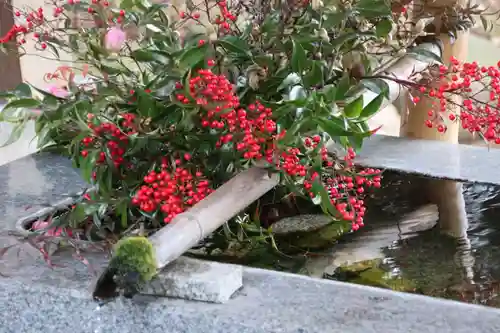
{"x":402,"y":248}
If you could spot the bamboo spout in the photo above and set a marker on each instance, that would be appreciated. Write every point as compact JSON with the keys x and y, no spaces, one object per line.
{"x":137,"y":254}
{"x":189,"y":228}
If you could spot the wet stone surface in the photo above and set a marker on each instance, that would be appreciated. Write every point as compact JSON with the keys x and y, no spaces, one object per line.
{"x":53,"y":300}
{"x":300,"y":223}
{"x":424,"y":157}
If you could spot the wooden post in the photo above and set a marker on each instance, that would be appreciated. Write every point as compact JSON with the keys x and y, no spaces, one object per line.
{"x":446,"y":194}
{"x":415,"y":126}
{"x":10,"y":68}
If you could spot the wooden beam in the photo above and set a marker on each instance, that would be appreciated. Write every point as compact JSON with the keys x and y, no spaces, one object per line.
{"x":10,"y":67}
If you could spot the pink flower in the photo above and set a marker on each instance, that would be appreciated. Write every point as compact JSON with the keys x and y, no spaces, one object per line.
{"x":58,"y":92}
{"x":114,"y":39}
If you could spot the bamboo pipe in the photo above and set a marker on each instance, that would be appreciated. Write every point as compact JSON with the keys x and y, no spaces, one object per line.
{"x":189,"y":228}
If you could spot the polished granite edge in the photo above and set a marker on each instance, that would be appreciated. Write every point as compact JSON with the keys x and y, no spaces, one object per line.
{"x":435,"y":159}
{"x":269,"y":302}
{"x":35,"y":182}
{"x":55,"y":299}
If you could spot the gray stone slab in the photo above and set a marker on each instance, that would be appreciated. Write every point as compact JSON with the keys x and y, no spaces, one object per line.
{"x":268,"y":302}
{"x":32,"y":184}
{"x":37,"y":298}
{"x":197,"y":280}
{"x":432,"y":158}
{"x":35,"y":182}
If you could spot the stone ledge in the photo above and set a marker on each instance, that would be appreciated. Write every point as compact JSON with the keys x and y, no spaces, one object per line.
{"x":197,"y":280}
{"x":432,"y":158}
{"x":268,"y":302}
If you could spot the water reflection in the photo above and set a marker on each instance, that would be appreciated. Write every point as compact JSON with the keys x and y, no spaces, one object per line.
{"x":464,"y":267}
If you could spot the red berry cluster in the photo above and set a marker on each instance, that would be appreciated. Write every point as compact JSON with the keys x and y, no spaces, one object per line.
{"x":252,"y":131}
{"x":344,"y":189}
{"x":223,"y":20}
{"x":248,"y":129}
{"x":476,"y":115}
{"x":111,"y":136}
{"x":17,"y":33}
{"x":171,"y":192}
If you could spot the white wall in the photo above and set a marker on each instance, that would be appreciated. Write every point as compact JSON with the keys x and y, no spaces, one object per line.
{"x":33,"y":69}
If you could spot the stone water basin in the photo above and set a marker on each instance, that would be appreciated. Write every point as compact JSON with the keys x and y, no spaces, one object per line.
{"x":401,"y":246}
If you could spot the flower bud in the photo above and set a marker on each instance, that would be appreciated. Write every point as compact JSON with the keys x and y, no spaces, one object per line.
{"x":114,"y":39}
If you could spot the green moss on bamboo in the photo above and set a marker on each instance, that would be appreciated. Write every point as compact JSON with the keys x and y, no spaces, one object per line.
{"x":134,"y":255}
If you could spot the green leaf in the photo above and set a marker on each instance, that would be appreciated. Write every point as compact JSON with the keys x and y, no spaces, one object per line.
{"x":97,"y":51}
{"x":284,"y":110}
{"x":315,"y":75}
{"x":343,"y":87}
{"x":193,"y":56}
{"x":424,"y":55}
{"x":153,"y":27}
{"x":142,"y":55}
{"x":78,"y":215}
{"x":23,"y":90}
{"x":377,"y":86}
{"x":24,"y":103}
{"x":333,"y":19}
{"x":344,"y":38}
{"x":299,"y":58}
{"x":292,"y":133}
{"x":333,"y":126}
{"x":325,"y":202}
{"x":146,"y":104}
{"x":127,"y":4}
{"x":86,"y":164}
{"x":150,"y":55}
{"x":15,"y":134}
{"x":122,"y":210}
{"x":354,"y":109}
{"x":373,"y":8}
{"x":383,"y":28}
{"x":44,"y":136}
{"x":235,"y":45}
{"x":329,"y":92}
{"x":372,"y":108}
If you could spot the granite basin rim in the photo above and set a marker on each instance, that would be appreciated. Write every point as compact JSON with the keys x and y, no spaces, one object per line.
{"x":22,"y":224}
